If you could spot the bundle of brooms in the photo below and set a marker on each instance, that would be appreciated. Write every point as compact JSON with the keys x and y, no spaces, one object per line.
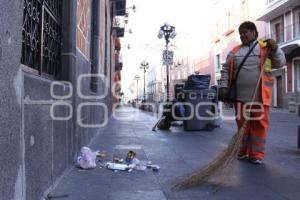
{"x":225,"y":159}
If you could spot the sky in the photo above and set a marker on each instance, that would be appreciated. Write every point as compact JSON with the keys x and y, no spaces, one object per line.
{"x":192,"y":21}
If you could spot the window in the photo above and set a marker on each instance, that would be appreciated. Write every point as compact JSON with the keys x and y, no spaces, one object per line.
{"x":296,"y":19}
{"x":41,"y":36}
{"x":277,"y":32}
{"x":277,"y":29}
{"x":297,"y":75}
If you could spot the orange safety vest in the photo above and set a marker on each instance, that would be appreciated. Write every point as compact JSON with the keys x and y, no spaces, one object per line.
{"x":266,"y":76}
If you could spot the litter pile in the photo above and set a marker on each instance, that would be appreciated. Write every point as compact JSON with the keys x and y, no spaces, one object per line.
{"x":87,"y":160}
{"x":130,"y":163}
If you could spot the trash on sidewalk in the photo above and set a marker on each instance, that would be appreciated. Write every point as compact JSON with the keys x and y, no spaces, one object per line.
{"x":137,"y":165}
{"x":100,"y":154}
{"x":130,"y":156}
{"x":129,"y":164}
{"x":86,"y":158}
{"x":140,"y":167}
{"x":117,"y":159}
{"x":117,"y":166}
{"x":133,"y":162}
{"x":154,"y":167}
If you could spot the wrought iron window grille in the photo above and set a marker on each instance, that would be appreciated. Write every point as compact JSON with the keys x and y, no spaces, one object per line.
{"x":41,"y":36}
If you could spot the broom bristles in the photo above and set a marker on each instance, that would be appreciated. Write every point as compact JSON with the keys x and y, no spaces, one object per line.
{"x":221,"y":162}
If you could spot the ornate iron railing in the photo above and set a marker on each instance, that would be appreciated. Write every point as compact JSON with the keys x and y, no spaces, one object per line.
{"x":41,"y":34}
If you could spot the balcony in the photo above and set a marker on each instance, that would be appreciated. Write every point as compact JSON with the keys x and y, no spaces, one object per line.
{"x":118,"y":31}
{"x":275,"y":8}
{"x":288,"y":38}
{"x":118,"y":66}
{"x":119,"y":7}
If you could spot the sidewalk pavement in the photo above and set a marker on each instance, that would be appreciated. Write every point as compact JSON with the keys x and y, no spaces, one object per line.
{"x":177,"y":153}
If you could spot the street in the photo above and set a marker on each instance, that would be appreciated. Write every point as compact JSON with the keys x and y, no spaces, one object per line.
{"x":177,"y":153}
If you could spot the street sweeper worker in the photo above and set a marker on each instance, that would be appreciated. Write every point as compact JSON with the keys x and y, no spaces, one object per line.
{"x":246,"y":81}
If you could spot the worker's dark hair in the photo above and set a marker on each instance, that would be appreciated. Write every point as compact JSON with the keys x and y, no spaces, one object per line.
{"x":250,"y":26}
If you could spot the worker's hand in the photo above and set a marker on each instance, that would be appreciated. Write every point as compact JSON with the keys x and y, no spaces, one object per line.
{"x":272,"y":44}
{"x":223,"y":94}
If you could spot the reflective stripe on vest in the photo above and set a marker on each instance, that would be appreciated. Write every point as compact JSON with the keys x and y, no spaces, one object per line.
{"x":266,"y":79}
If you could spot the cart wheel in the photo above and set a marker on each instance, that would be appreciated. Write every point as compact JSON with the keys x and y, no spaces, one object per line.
{"x":210,"y":127}
{"x":164,"y":124}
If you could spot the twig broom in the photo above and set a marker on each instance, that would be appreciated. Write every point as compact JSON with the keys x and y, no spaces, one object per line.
{"x":223,"y":160}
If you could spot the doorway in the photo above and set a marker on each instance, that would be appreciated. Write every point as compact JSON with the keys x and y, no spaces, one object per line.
{"x":279,"y":91}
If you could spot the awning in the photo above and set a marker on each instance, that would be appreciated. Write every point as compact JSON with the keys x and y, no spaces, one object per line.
{"x":287,"y":48}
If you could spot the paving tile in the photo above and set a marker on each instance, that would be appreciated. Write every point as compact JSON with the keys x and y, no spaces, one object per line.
{"x":133,"y":182}
{"x":257,"y":192}
{"x":292,"y":195}
{"x":283,"y":185}
{"x":128,"y":147}
{"x":137,"y":195}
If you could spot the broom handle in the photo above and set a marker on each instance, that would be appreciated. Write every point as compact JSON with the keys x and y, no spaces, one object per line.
{"x":255,"y":91}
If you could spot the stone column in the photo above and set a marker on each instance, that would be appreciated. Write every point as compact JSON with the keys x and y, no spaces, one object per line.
{"x":11,"y":150}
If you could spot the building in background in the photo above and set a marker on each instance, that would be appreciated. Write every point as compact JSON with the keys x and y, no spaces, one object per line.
{"x":277,"y":19}
{"x":179,"y":72}
{"x":155,"y":90}
{"x":52,"y":53}
{"x":117,"y":90}
{"x":274,"y":19}
{"x":225,"y":35}
{"x":283,"y":25}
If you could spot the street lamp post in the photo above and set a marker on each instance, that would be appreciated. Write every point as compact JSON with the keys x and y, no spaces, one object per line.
{"x":137,"y":78}
{"x":169,"y":33}
{"x":144,"y":66}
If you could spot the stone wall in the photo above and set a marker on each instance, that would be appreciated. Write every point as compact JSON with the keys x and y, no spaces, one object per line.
{"x":36,"y":145}
{"x":11,"y":153}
